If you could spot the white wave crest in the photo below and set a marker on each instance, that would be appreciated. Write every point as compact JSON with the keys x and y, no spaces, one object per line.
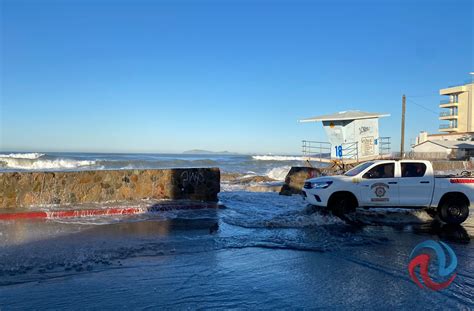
{"x":277,"y":158}
{"x":32,"y":155}
{"x":32,"y":164}
{"x":278,"y":173}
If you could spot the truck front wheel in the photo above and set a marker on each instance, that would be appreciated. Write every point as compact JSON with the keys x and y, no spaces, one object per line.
{"x":453,"y":210}
{"x":342,"y":204}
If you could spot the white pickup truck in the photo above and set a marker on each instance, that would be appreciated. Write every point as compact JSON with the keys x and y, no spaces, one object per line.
{"x":390,"y":183}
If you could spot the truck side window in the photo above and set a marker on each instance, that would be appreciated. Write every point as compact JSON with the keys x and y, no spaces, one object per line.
{"x":381,"y":171}
{"x":413,"y":169}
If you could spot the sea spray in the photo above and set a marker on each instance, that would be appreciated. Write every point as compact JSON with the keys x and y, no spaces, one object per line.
{"x":278,"y":173}
{"x":277,"y":158}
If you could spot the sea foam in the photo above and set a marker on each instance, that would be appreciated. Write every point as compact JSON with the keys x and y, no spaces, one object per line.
{"x":277,"y":158}
{"x":31,"y":155}
{"x":43,"y":164}
{"x":278,"y":173}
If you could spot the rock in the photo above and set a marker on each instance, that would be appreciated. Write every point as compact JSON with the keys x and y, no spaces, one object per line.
{"x":296,"y":177}
{"x":230,"y":176}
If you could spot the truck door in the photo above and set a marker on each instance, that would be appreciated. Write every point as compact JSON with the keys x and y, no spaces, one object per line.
{"x":379,"y":187}
{"x":416,"y":189}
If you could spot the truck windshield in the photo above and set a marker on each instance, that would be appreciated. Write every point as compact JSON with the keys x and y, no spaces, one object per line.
{"x":358,"y":169}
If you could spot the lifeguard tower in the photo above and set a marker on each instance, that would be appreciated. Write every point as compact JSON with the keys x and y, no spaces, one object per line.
{"x":353,"y":138}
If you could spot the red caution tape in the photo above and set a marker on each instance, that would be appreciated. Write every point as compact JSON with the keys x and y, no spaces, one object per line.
{"x":9,"y":216}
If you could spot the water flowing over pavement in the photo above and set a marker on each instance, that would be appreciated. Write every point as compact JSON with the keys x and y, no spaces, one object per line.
{"x":262,"y":250}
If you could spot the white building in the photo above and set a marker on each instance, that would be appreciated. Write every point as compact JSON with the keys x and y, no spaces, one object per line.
{"x":444,"y":149}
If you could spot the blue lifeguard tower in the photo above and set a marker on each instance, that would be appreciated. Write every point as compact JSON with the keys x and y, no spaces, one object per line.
{"x":353,"y":137}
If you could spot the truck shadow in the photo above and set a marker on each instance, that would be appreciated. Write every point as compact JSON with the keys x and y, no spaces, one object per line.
{"x":416,"y":221}
{"x":452,"y":233}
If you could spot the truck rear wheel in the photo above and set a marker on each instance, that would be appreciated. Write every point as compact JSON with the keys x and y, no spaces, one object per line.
{"x":453,"y":210}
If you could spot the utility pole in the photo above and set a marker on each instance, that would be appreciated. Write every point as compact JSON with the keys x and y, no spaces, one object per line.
{"x":470,"y":104}
{"x":402,"y":141}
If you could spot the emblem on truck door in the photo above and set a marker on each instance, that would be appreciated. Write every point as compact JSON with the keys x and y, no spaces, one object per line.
{"x":380,"y":189}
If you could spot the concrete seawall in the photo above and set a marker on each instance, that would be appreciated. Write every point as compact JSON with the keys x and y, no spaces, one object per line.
{"x":27,"y":189}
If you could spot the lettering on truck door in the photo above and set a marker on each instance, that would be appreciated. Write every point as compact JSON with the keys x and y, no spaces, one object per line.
{"x":379,"y":187}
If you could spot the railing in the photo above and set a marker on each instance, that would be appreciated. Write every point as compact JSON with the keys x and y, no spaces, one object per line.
{"x":412,"y":155}
{"x":385,"y":145}
{"x":316,"y":150}
{"x":447,"y":126}
{"x":447,"y":101}
{"x":448,"y":114}
{"x":350,"y":151}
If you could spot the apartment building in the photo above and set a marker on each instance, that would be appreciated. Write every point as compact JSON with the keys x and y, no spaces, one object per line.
{"x":456,"y":140}
{"x":457,"y":113}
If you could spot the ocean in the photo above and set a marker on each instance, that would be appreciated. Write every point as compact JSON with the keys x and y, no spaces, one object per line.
{"x":272,"y":166}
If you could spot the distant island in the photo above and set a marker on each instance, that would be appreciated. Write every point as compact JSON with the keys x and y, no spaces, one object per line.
{"x":199,"y":151}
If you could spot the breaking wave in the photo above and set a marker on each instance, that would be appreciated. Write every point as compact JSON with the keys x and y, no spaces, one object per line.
{"x":278,"y":173}
{"x":32,"y":155}
{"x":277,"y":158}
{"x":43,"y":164}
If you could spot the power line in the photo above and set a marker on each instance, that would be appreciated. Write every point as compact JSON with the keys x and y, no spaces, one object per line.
{"x":421,"y":106}
{"x":461,"y":121}
{"x":418,"y":96}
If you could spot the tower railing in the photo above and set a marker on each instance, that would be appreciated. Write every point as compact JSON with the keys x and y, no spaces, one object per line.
{"x":385,"y":146}
{"x":322,"y":151}
{"x":350,"y":151}
{"x":325,"y":151}
{"x":314,"y":150}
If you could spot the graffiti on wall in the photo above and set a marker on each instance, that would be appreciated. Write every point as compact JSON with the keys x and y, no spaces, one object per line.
{"x":364,"y":129}
{"x":192,"y":178}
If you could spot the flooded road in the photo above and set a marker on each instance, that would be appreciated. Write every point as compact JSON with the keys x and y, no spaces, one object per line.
{"x":262,"y":250}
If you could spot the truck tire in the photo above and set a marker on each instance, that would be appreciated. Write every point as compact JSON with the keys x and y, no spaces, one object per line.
{"x":433,"y":213}
{"x":453,"y":211}
{"x":342,"y":205}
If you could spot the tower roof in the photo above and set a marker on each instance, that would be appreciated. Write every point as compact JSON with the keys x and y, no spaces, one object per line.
{"x":346,"y":115}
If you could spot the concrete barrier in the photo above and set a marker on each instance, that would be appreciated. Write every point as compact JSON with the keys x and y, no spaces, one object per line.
{"x":27,"y":189}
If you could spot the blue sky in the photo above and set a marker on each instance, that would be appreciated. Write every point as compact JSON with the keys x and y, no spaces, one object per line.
{"x":168,"y":76}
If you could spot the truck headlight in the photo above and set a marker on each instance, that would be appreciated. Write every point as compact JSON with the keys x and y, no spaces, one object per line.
{"x":317,"y":184}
